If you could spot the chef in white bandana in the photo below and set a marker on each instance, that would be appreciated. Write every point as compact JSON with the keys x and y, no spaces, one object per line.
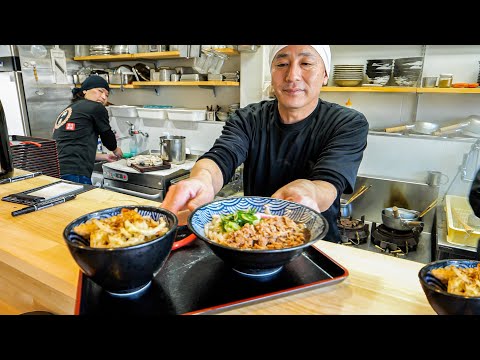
{"x":296,"y":147}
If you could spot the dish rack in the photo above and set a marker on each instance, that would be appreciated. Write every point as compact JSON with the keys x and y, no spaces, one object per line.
{"x":35,"y":154}
{"x":459,"y":231}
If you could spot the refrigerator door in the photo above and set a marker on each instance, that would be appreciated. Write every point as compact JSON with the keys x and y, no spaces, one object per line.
{"x":45,"y":98}
{"x":12,"y":97}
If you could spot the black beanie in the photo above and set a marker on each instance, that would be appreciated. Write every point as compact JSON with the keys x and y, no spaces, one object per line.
{"x":92,"y":82}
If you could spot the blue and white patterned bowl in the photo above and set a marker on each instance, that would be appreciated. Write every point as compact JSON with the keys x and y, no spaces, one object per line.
{"x":439,"y":299}
{"x":257,"y":262}
{"x":125,"y":270}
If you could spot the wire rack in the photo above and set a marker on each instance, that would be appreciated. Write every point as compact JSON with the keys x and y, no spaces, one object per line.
{"x":35,"y":154}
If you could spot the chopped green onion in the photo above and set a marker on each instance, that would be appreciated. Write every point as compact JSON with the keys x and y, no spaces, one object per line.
{"x":235,"y":221}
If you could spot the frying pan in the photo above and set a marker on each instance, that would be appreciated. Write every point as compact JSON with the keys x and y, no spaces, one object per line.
{"x":420,"y":127}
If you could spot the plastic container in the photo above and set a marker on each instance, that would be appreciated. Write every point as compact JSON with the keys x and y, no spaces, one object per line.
{"x":429,"y":81}
{"x":458,"y":211}
{"x":124,"y":110}
{"x":134,"y":146}
{"x":152,"y":113}
{"x":187,"y":114}
{"x":445,"y":80}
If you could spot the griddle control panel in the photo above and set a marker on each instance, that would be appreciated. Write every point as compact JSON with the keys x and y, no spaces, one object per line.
{"x":115,"y":175}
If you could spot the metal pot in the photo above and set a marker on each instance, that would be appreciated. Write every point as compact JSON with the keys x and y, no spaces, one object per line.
{"x":119,"y":49}
{"x":346,"y":205}
{"x":401,"y":219}
{"x":172,"y":149}
{"x":345,"y":209}
{"x":121,"y":78}
{"x":165,"y":74}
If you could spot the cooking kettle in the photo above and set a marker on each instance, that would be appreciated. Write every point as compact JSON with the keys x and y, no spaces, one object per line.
{"x":401,"y":219}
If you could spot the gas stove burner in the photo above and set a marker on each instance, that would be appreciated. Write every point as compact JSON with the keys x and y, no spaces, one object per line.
{"x":353,"y":231}
{"x":351,"y":224}
{"x":395,"y":242}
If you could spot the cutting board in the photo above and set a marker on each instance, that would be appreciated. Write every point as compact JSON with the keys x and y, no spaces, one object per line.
{"x":142,"y":169}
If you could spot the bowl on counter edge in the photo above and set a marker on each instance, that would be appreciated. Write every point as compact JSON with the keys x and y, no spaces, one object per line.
{"x":124,"y":270}
{"x":443,"y":302}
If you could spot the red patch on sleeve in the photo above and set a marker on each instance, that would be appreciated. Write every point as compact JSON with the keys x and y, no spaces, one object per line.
{"x":70,"y":126}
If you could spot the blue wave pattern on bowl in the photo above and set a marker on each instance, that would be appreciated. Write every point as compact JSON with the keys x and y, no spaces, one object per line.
{"x":441,"y":301}
{"x":257,"y":263}
{"x":295,"y":211}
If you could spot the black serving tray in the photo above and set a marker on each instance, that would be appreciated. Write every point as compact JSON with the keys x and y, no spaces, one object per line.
{"x":195,"y":281}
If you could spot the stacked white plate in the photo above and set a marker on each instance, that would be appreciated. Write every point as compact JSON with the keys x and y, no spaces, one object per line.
{"x":100,"y":49}
{"x":348,"y":75}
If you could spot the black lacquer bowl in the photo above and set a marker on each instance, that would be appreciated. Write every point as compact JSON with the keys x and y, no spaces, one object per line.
{"x":257,"y":263}
{"x":126,"y":270}
{"x":443,"y":302}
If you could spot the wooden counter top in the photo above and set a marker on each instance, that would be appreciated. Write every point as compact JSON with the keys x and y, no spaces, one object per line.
{"x":37,"y":271}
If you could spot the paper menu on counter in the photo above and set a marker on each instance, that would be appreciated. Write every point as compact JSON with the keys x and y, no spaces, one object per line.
{"x":55,"y":190}
{"x":48,"y":192}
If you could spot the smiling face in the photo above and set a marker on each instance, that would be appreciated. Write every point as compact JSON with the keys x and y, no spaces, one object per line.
{"x":97,"y":94}
{"x":298,"y":73}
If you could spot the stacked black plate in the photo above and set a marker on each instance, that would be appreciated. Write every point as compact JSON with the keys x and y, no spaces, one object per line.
{"x":379,"y":71}
{"x":406,"y":71}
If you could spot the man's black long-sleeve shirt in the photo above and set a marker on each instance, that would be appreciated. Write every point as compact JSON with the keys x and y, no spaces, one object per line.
{"x":328,"y":145}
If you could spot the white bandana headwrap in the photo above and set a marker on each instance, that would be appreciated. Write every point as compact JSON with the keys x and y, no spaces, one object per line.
{"x":322,"y":50}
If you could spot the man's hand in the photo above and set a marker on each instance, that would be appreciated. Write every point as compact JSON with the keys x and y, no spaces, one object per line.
{"x":118,"y":153}
{"x":111,"y":157}
{"x":204,"y":182}
{"x":318,"y":195}
{"x":106,"y":157}
{"x":187,"y":194}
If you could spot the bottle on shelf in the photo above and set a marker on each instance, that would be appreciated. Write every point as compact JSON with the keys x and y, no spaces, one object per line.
{"x":348,"y":104}
{"x":134,"y":146}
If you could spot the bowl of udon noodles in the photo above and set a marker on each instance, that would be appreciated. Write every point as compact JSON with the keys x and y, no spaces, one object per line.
{"x":122,"y":248}
{"x":256,"y":236}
